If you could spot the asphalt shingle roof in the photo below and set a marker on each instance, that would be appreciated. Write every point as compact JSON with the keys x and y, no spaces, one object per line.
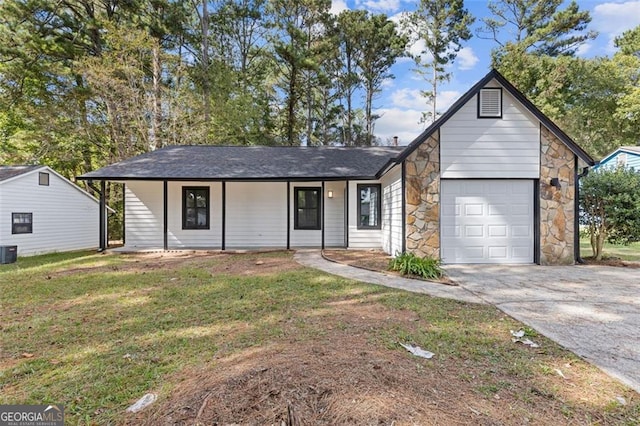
{"x":7,"y":172}
{"x":196,"y":162}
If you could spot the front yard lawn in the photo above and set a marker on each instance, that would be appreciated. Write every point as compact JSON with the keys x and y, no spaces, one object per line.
{"x":244,"y":338}
{"x":616,"y":251}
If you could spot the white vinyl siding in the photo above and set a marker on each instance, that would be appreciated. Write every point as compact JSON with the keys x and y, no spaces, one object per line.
{"x":621,"y":159}
{"x":633,"y":161}
{"x":507,"y":147}
{"x":392,"y":211}
{"x":65,"y":217}
{"x":333,"y":220}
{"x":361,"y":238}
{"x":487,"y":221}
{"x":195,"y":238}
{"x":256,"y":215}
{"x":144,"y":219}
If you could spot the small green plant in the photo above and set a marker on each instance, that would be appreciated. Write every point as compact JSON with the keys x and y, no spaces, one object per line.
{"x":410,"y":264}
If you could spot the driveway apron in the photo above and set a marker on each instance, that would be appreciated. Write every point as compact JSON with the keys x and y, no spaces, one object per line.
{"x":594,"y":311}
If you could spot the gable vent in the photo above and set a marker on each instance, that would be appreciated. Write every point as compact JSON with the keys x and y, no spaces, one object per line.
{"x":490,"y":103}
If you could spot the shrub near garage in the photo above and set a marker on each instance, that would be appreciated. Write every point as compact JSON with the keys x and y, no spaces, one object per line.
{"x":610,"y":202}
{"x":410,"y":264}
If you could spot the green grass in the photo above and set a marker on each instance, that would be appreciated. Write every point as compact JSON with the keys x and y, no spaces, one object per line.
{"x":95,"y":332}
{"x":630,"y":252}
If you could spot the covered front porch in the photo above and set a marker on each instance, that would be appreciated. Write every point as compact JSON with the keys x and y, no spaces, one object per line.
{"x":238,"y":215}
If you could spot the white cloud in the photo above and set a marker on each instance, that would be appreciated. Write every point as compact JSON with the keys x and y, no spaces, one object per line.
{"x":403,"y":120}
{"x":612,"y":19}
{"x":583,"y":49}
{"x":388,"y":83}
{"x":408,"y":98}
{"x":338,"y":6}
{"x":398,"y":122}
{"x":467,"y":59}
{"x":446,"y":98}
{"x":413,"y":99}
{"x":386,"y":6}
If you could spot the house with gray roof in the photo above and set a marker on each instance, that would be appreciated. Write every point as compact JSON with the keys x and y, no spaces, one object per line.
{"x":491,"y":181}
{"x":42,"y":212}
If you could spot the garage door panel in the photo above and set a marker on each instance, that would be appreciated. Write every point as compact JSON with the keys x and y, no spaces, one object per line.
{"x":522,"y":231}
{"x":497,"y":230}
{"x":471,"y":231}
{"x":473,"y":209}
{"x":499,"y":252}
{"x":450,"y":231}
{"x":487,"y":221}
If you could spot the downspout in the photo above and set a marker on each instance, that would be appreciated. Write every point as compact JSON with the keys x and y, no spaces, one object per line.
{"x":576,"y":231}
{"x":404,"y":206}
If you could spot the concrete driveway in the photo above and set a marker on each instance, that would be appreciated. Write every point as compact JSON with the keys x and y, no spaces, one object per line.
{"x":592,"y":311}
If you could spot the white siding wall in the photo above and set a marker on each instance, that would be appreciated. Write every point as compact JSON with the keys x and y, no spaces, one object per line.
{"x":144,"y":219}
{"x":256,"y":214}
{"x":333,"y":220}
{"x":195,"y":238}
{"x":64,"y":217}
{"x":392,"y":211}
{"x":334,"y":215}
{"x":507,"y":147}
{"x":256,"y":217}
{"x":360,"y":238}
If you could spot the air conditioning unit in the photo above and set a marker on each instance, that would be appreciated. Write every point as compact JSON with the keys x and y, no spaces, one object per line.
{"x":8,"y":254}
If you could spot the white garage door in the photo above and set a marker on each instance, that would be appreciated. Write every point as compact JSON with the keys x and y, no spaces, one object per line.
{"x":487,"y":221}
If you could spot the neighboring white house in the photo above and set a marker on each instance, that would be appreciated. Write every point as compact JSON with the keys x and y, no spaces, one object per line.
{"x":493,"y":180}
{"x":42,"y":212}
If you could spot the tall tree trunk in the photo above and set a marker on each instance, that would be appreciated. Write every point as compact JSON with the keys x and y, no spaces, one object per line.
{"x":434,"y":94}
{"x":369,"y":118}
{"x":86,"y":152}
{"x":205,"y":62}
{"x":291,"y":106}
{"x":349,"y":134}
{"x":155,"y":140}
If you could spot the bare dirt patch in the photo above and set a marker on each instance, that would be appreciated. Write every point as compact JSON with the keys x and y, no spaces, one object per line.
{"x":253,"y":263}
{"x":372,"y":260}
{"x":612,"y":261}
{"x":347,"y":377}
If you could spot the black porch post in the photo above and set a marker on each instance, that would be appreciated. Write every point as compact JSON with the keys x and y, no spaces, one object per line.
{"x":322,"y":215}
{"x":224,"y":215}
{"x":103,"y":216}
{"x":165,"y":208}
{"x":288,"y":215}
{"x":346,"y":214}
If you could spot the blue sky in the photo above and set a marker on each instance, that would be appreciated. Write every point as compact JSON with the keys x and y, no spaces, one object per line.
{"x":400,"y":104}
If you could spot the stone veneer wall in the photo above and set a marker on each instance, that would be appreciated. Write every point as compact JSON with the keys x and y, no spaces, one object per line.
{"x":422,"y":170}
{"x":557,"y":208}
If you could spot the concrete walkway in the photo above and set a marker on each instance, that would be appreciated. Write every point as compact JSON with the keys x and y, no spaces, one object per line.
{"x":314,"y":259}
{"x":594,"y":311}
